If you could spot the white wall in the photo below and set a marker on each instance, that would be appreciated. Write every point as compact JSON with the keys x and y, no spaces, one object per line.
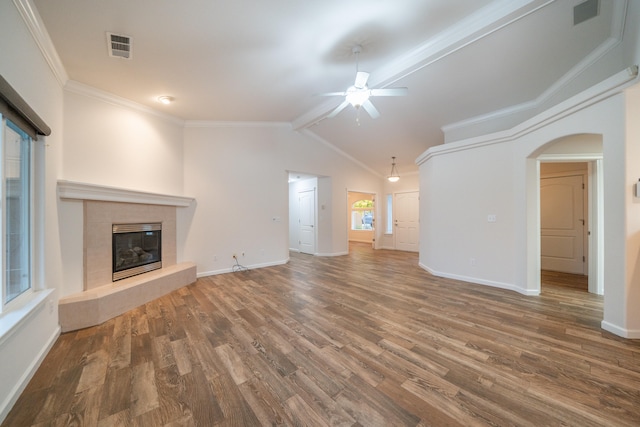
{"x":325,"y":244}
{"x":456,"y":239}
{"x":120,"y":146}
{"x":498,"y":174}
{"x":238,"y":175}
{"x":630,"y":320}
{"x":110,"y":142}
{"x":24,"y":344}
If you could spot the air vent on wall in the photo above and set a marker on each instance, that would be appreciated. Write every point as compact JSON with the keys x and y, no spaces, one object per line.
{"x":119,"y":45}
{"x":585,"y":11}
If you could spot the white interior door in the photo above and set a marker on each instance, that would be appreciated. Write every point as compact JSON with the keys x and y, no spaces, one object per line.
{"x":307,"y":204}
{"x":406,"y":223}
{"x":562,"y":224}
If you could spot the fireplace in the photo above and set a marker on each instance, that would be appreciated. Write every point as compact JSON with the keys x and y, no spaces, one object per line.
{"x":136,"y":249}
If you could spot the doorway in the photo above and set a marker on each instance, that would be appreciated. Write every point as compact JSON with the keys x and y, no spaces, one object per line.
{"x":303,"y":215}
{"x":406,"y":223}
{"x":564,"y":222}
{"x":361,"y":221}
{"x":307,"y":221}
{"x":577,"y":151}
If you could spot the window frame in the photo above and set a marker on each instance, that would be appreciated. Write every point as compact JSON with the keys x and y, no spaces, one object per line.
{"x":24,"y":296}
{"x":362,"y":210}
{"x":389,"y":218}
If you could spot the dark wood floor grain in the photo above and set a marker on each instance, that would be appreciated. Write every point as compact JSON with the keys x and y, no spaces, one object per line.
{"x":367,"y":339}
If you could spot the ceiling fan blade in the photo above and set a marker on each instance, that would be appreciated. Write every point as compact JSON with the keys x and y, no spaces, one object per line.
{"x":361,"y":79}
{"x":369,"y":108}
{"x":338,"y":109}
{"x":330,"y":94}
{"x":393,"y":91}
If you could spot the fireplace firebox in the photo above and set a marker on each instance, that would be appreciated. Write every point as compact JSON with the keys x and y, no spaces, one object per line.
{"x":137,"y":249}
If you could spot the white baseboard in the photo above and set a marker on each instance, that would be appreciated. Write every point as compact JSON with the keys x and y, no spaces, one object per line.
{"x":250,"y":267}
{"x":619,"y":331}
{"x":478,"y":281}
{"x":331,"y":254}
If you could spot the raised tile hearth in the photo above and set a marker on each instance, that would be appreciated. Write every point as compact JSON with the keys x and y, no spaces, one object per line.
{"x":101,"y":298}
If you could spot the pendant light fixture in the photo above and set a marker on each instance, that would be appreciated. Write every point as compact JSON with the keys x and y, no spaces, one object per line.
{"x":393,"y":176}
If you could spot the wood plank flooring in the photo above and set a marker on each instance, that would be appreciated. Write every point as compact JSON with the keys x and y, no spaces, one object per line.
{"x":367,"y":339}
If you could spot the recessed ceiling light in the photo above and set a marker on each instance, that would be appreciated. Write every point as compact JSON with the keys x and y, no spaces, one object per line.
{"x":166,"y":100}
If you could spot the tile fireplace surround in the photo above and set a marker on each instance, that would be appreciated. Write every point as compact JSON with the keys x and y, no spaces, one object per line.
{"x":101,"y":299}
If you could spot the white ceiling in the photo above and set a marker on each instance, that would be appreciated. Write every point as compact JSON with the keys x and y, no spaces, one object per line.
{"x":264,"y":60}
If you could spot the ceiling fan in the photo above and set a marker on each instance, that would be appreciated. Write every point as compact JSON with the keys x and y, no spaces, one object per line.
{"x":359,"y":93}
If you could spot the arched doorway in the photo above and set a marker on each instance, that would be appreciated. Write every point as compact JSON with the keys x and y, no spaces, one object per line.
{"x":570,"y":151}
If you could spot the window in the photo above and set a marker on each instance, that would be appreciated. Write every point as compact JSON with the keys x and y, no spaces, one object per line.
{"x":15,"y":169}
{"x":389,"y":224}
{"x":362,"y":215}
{"x":19,"y":127}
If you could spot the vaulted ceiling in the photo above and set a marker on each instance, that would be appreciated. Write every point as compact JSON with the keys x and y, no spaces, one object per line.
{"x":464,"y":62}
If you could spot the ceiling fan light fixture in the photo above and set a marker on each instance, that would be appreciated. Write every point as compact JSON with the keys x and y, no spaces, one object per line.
{"x":393,"y":176}
{"x":357,"y":97}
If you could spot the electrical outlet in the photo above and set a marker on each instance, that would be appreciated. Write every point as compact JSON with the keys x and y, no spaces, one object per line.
{"x":234,"y":256}
{"x":242,"y":253}
{"x":215,"y":257}
{"x":472,"y":262}
{"x":492,"y":218}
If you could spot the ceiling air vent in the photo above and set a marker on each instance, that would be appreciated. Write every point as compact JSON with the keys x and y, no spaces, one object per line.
{"x":119,"y":45}
{"x":585,"y":11}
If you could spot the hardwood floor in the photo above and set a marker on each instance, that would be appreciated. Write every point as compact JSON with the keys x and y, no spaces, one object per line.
{"x":567,"y":280}
{"x":367,"y":339}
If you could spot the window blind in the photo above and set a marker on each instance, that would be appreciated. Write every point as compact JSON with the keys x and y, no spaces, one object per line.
{"x":13,"y":107}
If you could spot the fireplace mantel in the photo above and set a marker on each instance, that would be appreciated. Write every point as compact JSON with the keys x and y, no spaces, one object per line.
{"x":70,"y":190}
{"x":99,"y":298}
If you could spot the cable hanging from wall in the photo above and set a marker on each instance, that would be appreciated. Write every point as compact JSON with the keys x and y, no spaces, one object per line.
{"x":237,"y":266}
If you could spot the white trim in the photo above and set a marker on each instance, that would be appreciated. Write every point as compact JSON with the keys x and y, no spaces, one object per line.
{"x":619,"y":15}
{"x":310,"y":134}
{"x":249,"y":267}
{"x":593,"y":95}
{"x":33,"y":21}
{"x":578,"y":157}
{"x":331,"y":254}
{"x":73,"y":86}
{"x":621,"y":332}
{"x":477,"y":281}
{"x":69,"y":190}
{"x":231,"y":124}
{"x":12,"y":319}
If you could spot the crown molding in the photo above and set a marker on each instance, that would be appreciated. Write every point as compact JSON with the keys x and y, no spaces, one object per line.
{"x":231,"y":124}
{"x":617,"y":33}
{"x":70,"y":190}
{"x":38,"y":31}
{"x":484,"y":22}
{"x":314,"y":136}
{"x":605,"y":89}
{"x":73,"y":86}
